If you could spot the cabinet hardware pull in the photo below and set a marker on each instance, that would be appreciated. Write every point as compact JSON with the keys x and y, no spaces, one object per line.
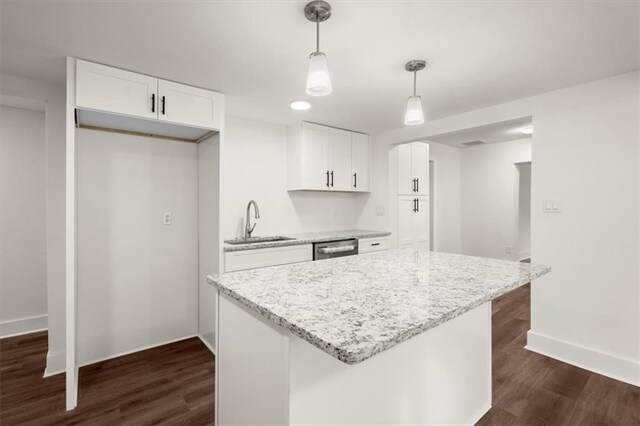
{"x":163,"y":105}
{"x":414,"y":205}
{"x":327,"y":178}
{"x":332,"y":178}
{"x":375,"y":244}
{"x":417,"y":205}
{"x":417,"y":184}
{"x":413,"y":188}
{"x":355,"y":180}
{"x":153,"y":102}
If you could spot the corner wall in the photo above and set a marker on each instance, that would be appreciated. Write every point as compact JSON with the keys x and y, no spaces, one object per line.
{"x":586,"y":154}
{"x":55,"y":124}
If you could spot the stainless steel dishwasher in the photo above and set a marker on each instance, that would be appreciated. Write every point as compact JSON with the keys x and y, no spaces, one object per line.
{"x":332,"y":249}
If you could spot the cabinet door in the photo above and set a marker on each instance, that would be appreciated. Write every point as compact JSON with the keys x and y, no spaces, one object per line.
{"x":360,"y":162}
{"x":405,"y":177}
{"x":420,"y":166}
{"x":340,"y":159}
{"x":192,"y":106}
{"x":314,"y":152}
{"x":109,"y":89}
{"x":406,"y":206}
{"x":420,"y":223}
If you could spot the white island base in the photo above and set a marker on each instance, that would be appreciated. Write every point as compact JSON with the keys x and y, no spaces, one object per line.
{"x":266,"y":375}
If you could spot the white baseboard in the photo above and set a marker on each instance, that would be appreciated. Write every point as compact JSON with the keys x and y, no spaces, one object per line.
{"x":625,"y":370}
{"x":22,"y":326}
{"x":477,"y":416}
{"x":56,"y":362}
{"x":207,"y":343}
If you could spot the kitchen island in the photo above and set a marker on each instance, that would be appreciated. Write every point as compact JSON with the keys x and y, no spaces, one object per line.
{"x":400,"y":336}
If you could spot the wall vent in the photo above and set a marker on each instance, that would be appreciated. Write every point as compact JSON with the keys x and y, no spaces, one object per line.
{"x":472,"y":143}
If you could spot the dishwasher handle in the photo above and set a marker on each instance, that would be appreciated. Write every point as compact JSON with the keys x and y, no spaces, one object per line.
{"x":331,"y":250}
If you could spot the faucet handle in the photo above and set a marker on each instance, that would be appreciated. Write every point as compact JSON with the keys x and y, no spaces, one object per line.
{"x":251,"y":229}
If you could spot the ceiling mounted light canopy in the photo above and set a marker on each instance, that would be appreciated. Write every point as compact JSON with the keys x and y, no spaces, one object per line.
{"x":318,"y":80}
{"x":414,"y":114}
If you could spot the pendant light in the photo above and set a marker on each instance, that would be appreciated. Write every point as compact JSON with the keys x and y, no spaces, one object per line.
{"x":414,"y":114}
{"x":318,"y":80}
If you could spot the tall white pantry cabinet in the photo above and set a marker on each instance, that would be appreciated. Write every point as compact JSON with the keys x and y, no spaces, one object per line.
{"x":413,"y":195}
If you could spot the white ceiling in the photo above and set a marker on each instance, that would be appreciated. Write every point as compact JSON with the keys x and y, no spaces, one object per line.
{"x":480,"y":53}
{"x":491,"y":133}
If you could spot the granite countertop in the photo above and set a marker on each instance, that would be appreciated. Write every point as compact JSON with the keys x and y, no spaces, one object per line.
{"x":357,"y":306}
{"x":308,"y":238}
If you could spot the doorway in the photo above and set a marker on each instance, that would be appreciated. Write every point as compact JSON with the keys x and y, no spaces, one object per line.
{"x":524,"y":211}
{"x":23,"y":201}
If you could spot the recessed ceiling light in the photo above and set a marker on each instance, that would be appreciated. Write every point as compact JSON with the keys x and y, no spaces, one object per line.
{"x":300,"y":105}
{"x":527,"y":130}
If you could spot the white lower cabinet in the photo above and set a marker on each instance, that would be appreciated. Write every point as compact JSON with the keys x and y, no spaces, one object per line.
{"x":368,"y":245}
{"x":413,"y":221}
{"x":260,"y":258}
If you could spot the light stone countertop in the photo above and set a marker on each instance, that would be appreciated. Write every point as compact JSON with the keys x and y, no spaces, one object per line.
{"x":308,"y":238}
{"x":357,"y":306}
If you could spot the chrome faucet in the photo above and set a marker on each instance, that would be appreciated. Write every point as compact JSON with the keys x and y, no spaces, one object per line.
{"x":248,"y":228}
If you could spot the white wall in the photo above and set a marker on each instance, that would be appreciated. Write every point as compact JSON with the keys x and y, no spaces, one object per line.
{"x":55,"y":110}
{"x":585,"y":153}
{"x":23,"y":244}
{"x":255,"y":167}
{"x":489,"y":188}
{"x":137,"y":278}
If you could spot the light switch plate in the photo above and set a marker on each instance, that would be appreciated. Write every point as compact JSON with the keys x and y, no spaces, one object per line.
{"x":551,"y":206}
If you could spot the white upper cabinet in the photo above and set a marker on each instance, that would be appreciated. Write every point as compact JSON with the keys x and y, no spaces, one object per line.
{"x":314,"y":146}
{"x":322,"y":158}
{"x":182,"y":104}
{"x":340,"y":159}
{"x":114,"y":90}
{"x":131,"y":95}
{"x":413,"y":169}
{"x":360,"y":162}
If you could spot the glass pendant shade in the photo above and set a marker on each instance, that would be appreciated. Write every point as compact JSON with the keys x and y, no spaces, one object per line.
{"x":318,"y":80}
{"x":414,"y":115}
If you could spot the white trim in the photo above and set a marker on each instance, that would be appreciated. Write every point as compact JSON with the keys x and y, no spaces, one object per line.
{"x":206,"y":343}
{"x":55,"y":363}
{"x":18,"y":327}
{"x":477,"y":416}
{"x":52,"y":357}
{"x":623,"y":369}
{"x":71,"y":381}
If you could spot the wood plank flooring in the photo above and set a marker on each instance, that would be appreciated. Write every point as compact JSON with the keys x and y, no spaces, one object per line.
{"x":173,"y":384}
{"x":531,"y":389}
{"x":170,"y":384}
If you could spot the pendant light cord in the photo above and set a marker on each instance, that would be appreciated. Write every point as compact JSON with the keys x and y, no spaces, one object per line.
{"x":317,"y":33}
{"x":415,"y":73}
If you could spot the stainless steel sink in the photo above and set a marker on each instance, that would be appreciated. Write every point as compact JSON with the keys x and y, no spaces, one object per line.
{"x":254,"y":240}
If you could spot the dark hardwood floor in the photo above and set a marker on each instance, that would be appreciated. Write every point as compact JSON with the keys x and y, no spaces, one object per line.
{"x":531,"y":389}
{"x":173,"y":384}
{"x":170,"y":384}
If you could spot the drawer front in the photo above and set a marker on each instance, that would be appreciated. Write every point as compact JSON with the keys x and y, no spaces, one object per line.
{"x":260,"y":258}
{"x":368,"y":245}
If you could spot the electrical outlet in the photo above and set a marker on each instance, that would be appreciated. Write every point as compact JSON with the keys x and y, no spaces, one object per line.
{"x":508,"y":249}
{"x":380,"y":210}
{"x":166,"y":218}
